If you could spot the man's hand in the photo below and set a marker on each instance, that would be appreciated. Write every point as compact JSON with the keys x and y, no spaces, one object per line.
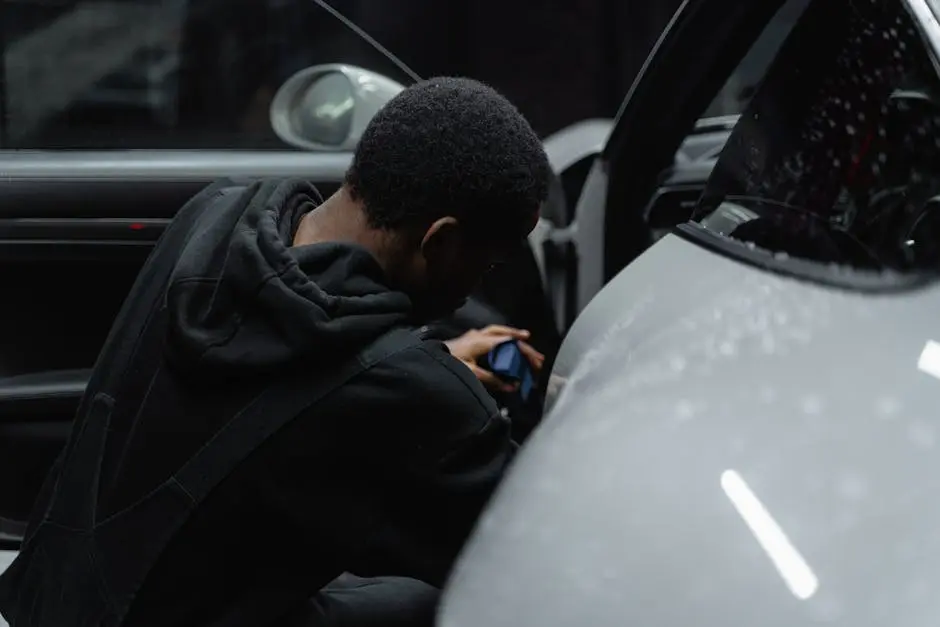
{"x":473,"y":345}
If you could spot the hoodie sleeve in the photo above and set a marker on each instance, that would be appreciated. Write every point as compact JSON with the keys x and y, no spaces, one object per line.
{"x":451,"y":447}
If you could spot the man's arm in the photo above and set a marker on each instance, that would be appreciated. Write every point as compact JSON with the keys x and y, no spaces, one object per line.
{"x":449,"y":448}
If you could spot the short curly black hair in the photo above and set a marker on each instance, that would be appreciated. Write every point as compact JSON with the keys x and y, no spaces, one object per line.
{"x":450,"y":146}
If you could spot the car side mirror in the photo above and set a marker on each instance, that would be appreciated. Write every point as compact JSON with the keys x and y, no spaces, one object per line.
{"x":327,"y":107}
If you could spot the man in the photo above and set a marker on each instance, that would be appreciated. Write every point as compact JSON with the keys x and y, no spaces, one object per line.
{"x":259,"y":422}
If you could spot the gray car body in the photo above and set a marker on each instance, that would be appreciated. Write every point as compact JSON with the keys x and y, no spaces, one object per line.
{"x":725,"y":446}
{"x":615,"y":513}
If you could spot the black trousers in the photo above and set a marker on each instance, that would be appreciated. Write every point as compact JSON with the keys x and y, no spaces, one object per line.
{"x":351,"y":601}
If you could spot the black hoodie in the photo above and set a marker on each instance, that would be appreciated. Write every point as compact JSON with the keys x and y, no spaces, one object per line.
{"x":242,"y":299}
{"x":386,"y":475}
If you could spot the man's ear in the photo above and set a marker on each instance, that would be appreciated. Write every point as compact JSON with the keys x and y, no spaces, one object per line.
{"x":442,"y":237}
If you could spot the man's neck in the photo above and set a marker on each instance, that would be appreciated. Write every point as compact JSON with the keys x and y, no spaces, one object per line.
{"x":340,"y":218}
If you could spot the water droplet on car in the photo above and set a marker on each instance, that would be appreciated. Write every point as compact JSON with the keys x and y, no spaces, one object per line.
{"x":768,"y":344}
{"x":811,"y":405}
{"x":887,"y":406}
{"x":852,"y":487}
{"x":921,"y":434}
{"x":685,"y":410}
{"x":767,"y":394}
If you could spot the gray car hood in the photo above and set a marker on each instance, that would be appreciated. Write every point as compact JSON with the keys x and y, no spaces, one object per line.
{"x":729,"y":447}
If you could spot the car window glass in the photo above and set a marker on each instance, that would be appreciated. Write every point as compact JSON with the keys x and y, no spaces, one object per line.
{"x":97,"y":74}
{"x":837,"y":157}
{"x":737,"y":91}
{"x":699,"y":150}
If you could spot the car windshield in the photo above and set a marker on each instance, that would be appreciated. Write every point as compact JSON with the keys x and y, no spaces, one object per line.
{"x":835,"y":158}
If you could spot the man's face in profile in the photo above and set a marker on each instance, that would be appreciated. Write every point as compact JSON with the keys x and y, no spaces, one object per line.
{"x":449,"y":278}
{"x":453,"y":262}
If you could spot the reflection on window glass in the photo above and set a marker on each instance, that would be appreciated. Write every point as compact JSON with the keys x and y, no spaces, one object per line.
{"x":70,"y":62}
{"x":837,"y":157}
{"x":157,"y":73}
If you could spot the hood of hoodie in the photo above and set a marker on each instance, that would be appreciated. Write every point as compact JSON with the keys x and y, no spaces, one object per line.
{"x":241,"y":298}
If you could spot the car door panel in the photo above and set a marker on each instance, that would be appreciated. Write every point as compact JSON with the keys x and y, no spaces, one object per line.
{"x":75,"y":228}
{"x":35,"y":419}
{"x":42,"y":393}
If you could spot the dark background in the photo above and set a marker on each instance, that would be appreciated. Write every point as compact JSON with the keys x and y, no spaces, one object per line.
{"x":560,"y":61}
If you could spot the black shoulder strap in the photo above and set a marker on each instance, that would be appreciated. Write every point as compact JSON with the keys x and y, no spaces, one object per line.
{"x":279,"y":404}
{"x":129,"y":543}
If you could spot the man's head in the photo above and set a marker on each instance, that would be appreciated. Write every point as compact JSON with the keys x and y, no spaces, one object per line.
{"x":455,"y":175}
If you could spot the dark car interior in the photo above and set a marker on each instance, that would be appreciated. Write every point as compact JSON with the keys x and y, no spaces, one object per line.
{"x":849,"y":177}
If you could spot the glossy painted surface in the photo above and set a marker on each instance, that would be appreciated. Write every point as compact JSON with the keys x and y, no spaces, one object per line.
{"x":729,"y":447}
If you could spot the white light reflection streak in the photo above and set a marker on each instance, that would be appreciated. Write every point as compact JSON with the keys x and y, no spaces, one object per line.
{"x":796,"y":573}
{"x":929,"y":361}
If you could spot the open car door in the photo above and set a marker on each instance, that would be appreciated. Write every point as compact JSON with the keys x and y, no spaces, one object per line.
{"x":664,"y":142}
